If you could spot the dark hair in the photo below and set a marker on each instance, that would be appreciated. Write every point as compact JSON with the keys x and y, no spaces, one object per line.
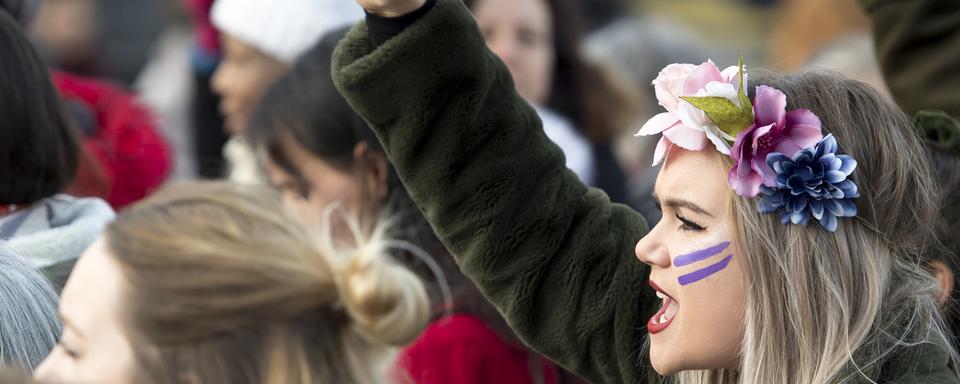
{"x":38,"y":150}
{"x":581,"y":90}
{"x":304,"y":106}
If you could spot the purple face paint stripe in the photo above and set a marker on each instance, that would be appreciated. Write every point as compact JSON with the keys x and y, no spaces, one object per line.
{"x":702,"y":254}
{"x":703,"y":273}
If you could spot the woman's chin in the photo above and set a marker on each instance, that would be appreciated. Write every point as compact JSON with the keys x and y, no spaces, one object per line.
{"x":665,"y":372}
{"x":664,"y":367}
{"x":668,"y":366}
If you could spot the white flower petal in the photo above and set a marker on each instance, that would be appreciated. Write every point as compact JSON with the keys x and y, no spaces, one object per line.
{"x":658,"y":123}
{"x":692,"y":117}
{"x":730,"y":73}
{"x":724,"y":90}
{"x":663,"y":147}
{"x":722,"y":145}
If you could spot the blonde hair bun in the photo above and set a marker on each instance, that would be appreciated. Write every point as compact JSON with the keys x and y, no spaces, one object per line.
{"x":387,"y":301}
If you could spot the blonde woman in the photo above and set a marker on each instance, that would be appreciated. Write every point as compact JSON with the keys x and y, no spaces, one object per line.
{"x":208,"y":283}
{"x":798,"y":267}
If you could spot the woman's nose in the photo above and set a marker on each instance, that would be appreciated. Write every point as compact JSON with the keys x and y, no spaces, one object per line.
{"x":650,"y":249}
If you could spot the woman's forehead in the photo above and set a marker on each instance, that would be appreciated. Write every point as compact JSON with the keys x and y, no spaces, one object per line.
{"x":694,"y":176}
{"x":94,"y":288}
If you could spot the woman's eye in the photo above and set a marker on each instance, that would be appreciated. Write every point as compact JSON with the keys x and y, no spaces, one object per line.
{"x":68,"y":351}
{"x":530,"y":38}
{"x":290,"y":188}
{"x":689,"y":225}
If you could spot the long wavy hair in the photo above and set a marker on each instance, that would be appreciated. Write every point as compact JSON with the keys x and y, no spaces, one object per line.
{"x":831,"y":307}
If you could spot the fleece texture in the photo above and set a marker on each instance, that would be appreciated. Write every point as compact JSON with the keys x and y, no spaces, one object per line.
{"x":556,"y":257}
{"x":55,"y":232}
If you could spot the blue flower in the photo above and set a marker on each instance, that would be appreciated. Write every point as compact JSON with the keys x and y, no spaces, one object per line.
{"x":814,"y":183}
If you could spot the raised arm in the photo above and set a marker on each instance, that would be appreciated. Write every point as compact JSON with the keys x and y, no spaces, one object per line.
{"x":918,"y":48}
{"x":556,"y":257}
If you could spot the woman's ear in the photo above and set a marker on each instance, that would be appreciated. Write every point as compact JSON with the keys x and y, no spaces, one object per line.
{"x":375,"y":171}
{"x":944,"y":276}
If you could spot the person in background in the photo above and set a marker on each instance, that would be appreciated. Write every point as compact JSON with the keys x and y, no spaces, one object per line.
{"x":206,"y":122}
{"x":29,"y":326}
{"x":918,"y":48}
{"x":131,"y":158}
{"x":944,"y":262}
{"x":840,"y":42}
{"x":40,"y":155}
{"x":212,"y":283}
{"x":123,"y":157}
{"x":581,"y":106}
{"x":319,"y":152}
{"x":105,"y":39}
{"x":261,"y":39}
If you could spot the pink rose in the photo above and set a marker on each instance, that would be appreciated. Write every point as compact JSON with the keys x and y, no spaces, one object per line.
{"x":682,"y":124}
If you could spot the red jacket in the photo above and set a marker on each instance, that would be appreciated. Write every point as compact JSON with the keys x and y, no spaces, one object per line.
{"x":460,"y":349}
{"x":125,"y":158}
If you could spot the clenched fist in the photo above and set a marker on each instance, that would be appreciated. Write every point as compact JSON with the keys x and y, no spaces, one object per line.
{"x":391,"y":8}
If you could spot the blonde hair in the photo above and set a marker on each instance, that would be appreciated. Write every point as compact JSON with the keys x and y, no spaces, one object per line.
{"x":222,"y":288}
{"x":830,"y":307}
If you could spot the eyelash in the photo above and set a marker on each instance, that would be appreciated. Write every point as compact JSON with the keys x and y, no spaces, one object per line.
{"x":689,"y":225}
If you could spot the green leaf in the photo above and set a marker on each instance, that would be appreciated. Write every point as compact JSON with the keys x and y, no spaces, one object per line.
{"x":724,"y":113}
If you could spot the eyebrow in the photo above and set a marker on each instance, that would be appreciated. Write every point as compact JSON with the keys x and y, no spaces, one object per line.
{"x":680,"y":203}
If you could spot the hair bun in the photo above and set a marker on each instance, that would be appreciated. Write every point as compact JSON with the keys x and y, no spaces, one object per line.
{"x":387,"y":302}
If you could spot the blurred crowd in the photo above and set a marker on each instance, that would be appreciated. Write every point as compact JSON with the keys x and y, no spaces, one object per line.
{"x":201,"y":158}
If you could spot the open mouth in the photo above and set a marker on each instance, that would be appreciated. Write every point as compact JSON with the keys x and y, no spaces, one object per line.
{"x":668,"y":310}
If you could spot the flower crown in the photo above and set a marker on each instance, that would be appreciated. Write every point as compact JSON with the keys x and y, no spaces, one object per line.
{"x":779,"y":155}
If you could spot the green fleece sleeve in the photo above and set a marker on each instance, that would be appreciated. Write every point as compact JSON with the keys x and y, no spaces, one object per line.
{"x":554,"y":256}
{"x":918,"y":48}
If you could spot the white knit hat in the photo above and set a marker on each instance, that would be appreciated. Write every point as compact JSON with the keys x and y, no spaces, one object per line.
{"x":283,"y":29}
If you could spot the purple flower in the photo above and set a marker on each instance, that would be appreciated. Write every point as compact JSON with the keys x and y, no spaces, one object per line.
{"x":813,"y":183}
{"x":773,"y":130}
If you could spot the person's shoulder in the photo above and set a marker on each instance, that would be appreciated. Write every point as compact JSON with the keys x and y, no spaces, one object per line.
{"x":458,"y":330}
{"x":63,"y":205}
{"x":926,"y":362}
{"x":458,"y":325}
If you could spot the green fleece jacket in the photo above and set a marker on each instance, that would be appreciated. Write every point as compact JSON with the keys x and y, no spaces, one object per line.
{"x":553,"y":255}
{"x":918,"y":49}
